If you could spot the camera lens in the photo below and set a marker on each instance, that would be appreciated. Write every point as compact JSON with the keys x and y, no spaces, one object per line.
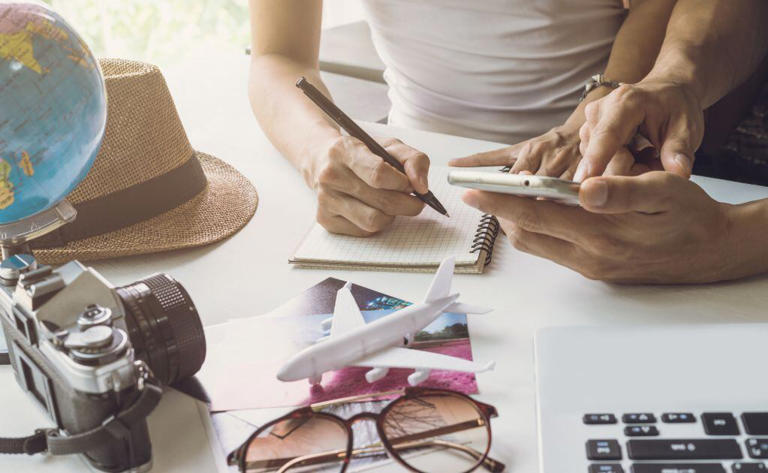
{"x":164,"y":327}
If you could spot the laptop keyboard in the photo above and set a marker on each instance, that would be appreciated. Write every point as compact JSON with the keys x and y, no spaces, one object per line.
{"x":723,"y":443}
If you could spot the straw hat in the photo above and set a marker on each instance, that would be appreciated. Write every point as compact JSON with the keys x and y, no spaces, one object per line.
{"x":148,"y":190}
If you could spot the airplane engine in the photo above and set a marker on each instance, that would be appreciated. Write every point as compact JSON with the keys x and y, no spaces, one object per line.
{"x":376,"y":374}
{"x":418,"y":377}
{"x":326,"y":324}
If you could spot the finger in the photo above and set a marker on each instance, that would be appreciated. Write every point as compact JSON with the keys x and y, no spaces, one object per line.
{"x":527,"y":160}
{"x":584,"y":134}
{"x":642,"y":148}
{"x":372,"y":169}
{"x":650,"y":193}
{"x":537,"y":244}
{"x":560,"y":162}
{"x":676,"y":152}
{"x":340,"y":225}
{"x":618,"y":120}
{"x":569,"y":173}
{"x":639,"y":168}
{"x":546,"y":217}
{"x":390,"y":202}
{"x":497,"y":157}
{"x":621,"y":163}
{"x":416,"y":165}
{"x":364,"y":216}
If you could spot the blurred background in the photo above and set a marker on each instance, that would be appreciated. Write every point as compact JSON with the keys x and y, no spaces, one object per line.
{"x":171,"y":31}
{"x":200,"y":45}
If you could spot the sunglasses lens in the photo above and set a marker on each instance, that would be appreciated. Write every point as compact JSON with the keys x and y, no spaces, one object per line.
{"x":437,"y":433}
{"x":301,"y":444}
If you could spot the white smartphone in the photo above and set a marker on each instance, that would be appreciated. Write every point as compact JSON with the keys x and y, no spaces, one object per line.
{"x":518,"y":184}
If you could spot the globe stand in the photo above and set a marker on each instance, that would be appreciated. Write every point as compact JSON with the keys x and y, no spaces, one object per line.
{"x":15,"y":236}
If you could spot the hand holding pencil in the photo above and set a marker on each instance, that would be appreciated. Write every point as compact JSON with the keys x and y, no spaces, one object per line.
{"x":363,"y":184}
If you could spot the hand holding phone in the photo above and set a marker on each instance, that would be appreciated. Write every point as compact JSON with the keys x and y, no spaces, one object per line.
{"x":524,"y":185}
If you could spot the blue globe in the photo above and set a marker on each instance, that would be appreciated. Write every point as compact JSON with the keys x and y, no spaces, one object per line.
{"x":53,"y":109}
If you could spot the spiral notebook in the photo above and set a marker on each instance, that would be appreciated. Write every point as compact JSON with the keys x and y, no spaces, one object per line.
{"x":411,"y":243}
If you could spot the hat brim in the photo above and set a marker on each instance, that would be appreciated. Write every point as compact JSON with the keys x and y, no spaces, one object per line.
{"x":220,"y":210}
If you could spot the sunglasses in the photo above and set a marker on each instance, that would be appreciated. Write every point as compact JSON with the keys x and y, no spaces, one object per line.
{"x":425,"y":430}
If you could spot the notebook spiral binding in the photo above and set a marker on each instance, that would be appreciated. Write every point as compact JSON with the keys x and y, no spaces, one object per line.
{"x":485,"y":237}
{"x":487,"y":231}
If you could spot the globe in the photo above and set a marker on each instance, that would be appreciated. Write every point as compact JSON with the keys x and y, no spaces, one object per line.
{"x":52,"y":109}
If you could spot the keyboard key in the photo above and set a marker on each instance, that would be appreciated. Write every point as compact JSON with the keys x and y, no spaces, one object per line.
{"x":638,"y":419}
{"x":748,"y":468}
{"x":684,"y":449}
{"x":678,"y":418}
{"x":678,"y":468}
{"x":641,"y":431}
{"x":606,"y":468}
{"x":596,"y":419}
{"x":755,"y":423}
{"x":719,"y":423}
{"x":757,"y":448}
{"x":603,"y":450}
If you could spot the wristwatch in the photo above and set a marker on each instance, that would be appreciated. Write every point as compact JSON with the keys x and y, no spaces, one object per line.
{"x":598,"y":80}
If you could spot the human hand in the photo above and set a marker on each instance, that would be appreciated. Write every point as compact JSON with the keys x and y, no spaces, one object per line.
{"x":654,"y":228}
{"x":555,"y":153}
{"x":668,"y":114}
{"x":358,"y":193}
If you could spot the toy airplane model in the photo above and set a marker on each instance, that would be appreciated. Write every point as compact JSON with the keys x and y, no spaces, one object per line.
{"x":378,"y":345}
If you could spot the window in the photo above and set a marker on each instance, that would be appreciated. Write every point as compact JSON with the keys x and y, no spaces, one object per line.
{"x":158,"y":31}
{"x":166,"y":32}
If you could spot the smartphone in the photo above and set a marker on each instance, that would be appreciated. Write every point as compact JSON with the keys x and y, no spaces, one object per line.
{"x":550,"y":188}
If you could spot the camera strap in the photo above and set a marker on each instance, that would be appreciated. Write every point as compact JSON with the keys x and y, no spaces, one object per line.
{"x":114,"y":427}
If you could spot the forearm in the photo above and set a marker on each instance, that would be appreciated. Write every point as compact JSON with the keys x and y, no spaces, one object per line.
{"x":294,"y":124}
{"x":712,"y":47}
{"x":748,"y":232}
{"x":634,"y":50}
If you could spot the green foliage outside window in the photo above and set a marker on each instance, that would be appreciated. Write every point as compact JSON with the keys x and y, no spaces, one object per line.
{"x":157,"y":30}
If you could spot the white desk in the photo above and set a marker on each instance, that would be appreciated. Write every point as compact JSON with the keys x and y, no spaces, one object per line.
{"x":248,"y":274}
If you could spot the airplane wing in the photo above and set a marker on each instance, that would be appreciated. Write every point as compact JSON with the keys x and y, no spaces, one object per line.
{"x":346,"y":314}
{"x":419,"y":359}
{"x":462,"y":308}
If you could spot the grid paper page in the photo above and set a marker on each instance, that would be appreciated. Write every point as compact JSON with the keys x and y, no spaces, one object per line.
{"x":423,"y":240}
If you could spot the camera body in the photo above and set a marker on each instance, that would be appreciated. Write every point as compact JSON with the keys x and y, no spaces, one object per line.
{"x":85,"y":349}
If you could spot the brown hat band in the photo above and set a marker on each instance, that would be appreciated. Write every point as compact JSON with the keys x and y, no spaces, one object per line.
{"x":131,"y":205}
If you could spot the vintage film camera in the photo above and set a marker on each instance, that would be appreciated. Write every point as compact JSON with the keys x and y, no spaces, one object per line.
{"x":94,"y":356}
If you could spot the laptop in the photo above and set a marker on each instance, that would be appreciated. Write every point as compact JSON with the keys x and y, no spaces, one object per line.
{"x":653,"y":399}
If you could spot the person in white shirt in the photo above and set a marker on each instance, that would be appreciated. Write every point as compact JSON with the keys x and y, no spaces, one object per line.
{"x":510,"y":70}
{"x":657,"y":227}
{"x":504,"y":70}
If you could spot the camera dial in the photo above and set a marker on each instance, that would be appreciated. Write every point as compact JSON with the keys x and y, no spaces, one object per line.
{"x":94,"y":345}
{"x":94,"y":314}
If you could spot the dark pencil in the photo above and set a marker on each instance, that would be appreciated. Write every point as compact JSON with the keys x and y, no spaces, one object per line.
{"x":354,"y":130}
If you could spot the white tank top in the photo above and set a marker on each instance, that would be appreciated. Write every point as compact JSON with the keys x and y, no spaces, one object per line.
{"x":500,"y":70}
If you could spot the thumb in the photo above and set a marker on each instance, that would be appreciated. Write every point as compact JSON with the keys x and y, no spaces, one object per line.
{"x":676,"y":153}
{"x":647,"y":193}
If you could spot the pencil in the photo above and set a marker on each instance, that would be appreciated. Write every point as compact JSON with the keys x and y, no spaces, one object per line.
{"x":348,"y":125}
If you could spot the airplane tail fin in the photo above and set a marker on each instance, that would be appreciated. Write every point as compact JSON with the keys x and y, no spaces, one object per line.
{"x":441,"y":283}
